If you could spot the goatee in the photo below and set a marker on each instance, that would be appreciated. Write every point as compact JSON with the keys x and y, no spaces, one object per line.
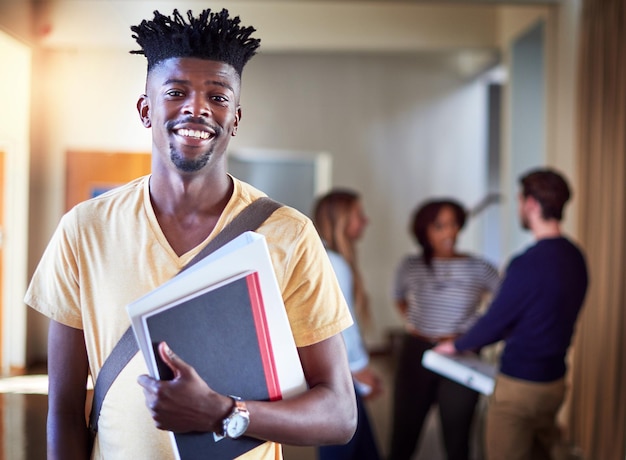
{"x":185,"y":165}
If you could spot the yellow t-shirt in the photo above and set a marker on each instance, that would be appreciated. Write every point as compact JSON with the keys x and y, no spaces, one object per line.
{"x":109,"y":251}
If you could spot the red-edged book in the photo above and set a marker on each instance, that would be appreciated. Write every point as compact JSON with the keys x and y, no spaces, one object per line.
{"x":232,"y":328}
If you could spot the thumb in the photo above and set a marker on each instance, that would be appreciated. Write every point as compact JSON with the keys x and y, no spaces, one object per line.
{"x":172,"y":360}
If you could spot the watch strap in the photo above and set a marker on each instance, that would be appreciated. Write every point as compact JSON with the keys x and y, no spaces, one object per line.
{"x":239,"y":410}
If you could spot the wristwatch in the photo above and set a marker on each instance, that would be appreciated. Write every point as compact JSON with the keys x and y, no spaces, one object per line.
{"x":237,"y":422}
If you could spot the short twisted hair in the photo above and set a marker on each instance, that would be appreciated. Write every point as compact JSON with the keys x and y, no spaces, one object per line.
{"x":213,"y":36}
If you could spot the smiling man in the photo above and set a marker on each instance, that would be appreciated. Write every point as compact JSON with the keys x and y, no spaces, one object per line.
{"x":110,"y":250}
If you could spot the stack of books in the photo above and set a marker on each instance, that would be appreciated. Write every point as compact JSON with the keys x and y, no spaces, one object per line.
{"x":224,"y":316}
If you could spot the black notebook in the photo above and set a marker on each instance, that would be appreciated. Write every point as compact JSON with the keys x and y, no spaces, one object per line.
{"x":221,"y":332}
{"x":225,"y":317}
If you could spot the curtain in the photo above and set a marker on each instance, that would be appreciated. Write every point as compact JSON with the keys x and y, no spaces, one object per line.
{"x":597,"y":417}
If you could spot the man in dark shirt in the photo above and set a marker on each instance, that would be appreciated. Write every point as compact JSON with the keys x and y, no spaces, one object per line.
{"x":535,"y":313}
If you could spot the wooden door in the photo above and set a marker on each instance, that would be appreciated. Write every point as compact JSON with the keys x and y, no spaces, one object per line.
{"x":90,"y":173}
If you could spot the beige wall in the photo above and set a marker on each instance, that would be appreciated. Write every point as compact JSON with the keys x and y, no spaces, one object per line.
{"x":300,"y":26}
{"x":561,"y":35}
{"x":16,"y":20}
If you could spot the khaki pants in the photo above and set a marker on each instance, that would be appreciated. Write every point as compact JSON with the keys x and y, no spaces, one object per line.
{"x":521,"y":419}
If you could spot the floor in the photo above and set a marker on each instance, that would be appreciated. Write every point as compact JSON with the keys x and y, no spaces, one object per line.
{"x":23,"y":405}
{"x":380,"y":413}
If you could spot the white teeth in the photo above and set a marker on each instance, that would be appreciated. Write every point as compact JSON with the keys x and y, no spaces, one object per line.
{"x":193,"y":133}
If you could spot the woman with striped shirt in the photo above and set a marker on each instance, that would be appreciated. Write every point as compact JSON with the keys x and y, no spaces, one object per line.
{"x":438,"y":293}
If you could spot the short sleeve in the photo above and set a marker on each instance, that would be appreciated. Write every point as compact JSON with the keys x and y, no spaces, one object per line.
{"x":315,"y":304}
{"x":54,"y":287}
{"x":400,"y":280}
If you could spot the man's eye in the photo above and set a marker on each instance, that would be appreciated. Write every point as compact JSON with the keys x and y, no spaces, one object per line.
{"x":219,"y":99}
{"x":174,"y":93}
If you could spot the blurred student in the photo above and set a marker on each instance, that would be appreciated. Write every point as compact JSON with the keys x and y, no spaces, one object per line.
{"x":534,"y":313}
{"x":340,"y":221}
{"x":438,"y":293}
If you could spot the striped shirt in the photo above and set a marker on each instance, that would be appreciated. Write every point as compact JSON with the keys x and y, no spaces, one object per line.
{"x":444,"y":299}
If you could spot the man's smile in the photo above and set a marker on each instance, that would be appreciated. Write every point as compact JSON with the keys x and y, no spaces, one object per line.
{"x":194,"y":133}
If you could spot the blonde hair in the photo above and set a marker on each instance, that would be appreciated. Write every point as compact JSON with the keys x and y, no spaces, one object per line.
{"x":331,"y":217}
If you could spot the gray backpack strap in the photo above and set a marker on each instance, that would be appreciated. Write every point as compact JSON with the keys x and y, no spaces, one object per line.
{"x":249,"y":219}
{"x":122,"y":353}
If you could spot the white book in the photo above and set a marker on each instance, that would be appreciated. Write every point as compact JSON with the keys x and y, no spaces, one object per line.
{"x":246,"y":253}
{"x":467,"y":369}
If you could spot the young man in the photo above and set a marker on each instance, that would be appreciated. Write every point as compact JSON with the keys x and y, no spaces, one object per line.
{"x":535,"y":313}
{"x":111,"y":250}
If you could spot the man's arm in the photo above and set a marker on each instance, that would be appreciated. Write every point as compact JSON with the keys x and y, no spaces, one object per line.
{"x":67,"y":434}
{"x":514,"y":296}
{"x":324,"y":414}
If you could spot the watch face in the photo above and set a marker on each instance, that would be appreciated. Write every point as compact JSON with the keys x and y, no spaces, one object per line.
{"x":237,"y":425}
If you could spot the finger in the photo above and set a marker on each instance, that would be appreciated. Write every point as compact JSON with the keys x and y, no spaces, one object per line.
{"x":145,"y":381}
{"x":172,"y":360}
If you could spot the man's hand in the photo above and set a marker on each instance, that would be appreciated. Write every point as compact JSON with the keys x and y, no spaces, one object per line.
{"x":446,"y":347}
{"x":185,"y":403}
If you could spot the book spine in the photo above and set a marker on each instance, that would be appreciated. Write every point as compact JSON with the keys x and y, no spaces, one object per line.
{"x":263,"y":336}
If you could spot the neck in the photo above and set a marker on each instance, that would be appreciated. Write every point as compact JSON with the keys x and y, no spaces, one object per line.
{"x":546,"y":229}
{"x":446,"y":255}
{"x":174,"y":194}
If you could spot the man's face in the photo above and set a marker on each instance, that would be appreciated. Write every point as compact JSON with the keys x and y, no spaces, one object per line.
{"x":192,"y":106}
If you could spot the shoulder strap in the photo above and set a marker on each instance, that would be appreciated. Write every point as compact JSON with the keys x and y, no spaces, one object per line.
{"x":249,"y":219}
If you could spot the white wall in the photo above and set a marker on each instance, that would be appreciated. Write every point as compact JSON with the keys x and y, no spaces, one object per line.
{"x":15,"y":142}
{"x":399,"y":128}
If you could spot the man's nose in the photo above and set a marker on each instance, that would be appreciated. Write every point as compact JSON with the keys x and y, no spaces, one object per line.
{"x":197,"y":106}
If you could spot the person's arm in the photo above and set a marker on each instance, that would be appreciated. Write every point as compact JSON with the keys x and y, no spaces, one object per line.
{"x":512,"y":299}
{"x":324,"y":414}
{"x":68,"y":368}
{"x":402,"y":307}
{"x":400,"y":287}
{"x":368,"y":384}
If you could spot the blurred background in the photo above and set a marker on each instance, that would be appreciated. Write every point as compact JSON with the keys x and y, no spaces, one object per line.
{"x":401,"y":100}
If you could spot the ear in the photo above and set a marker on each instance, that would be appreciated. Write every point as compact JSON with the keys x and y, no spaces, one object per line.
{"x":237,"y":120}
{"x":533,"y":205}
{"x":143,"y":107}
